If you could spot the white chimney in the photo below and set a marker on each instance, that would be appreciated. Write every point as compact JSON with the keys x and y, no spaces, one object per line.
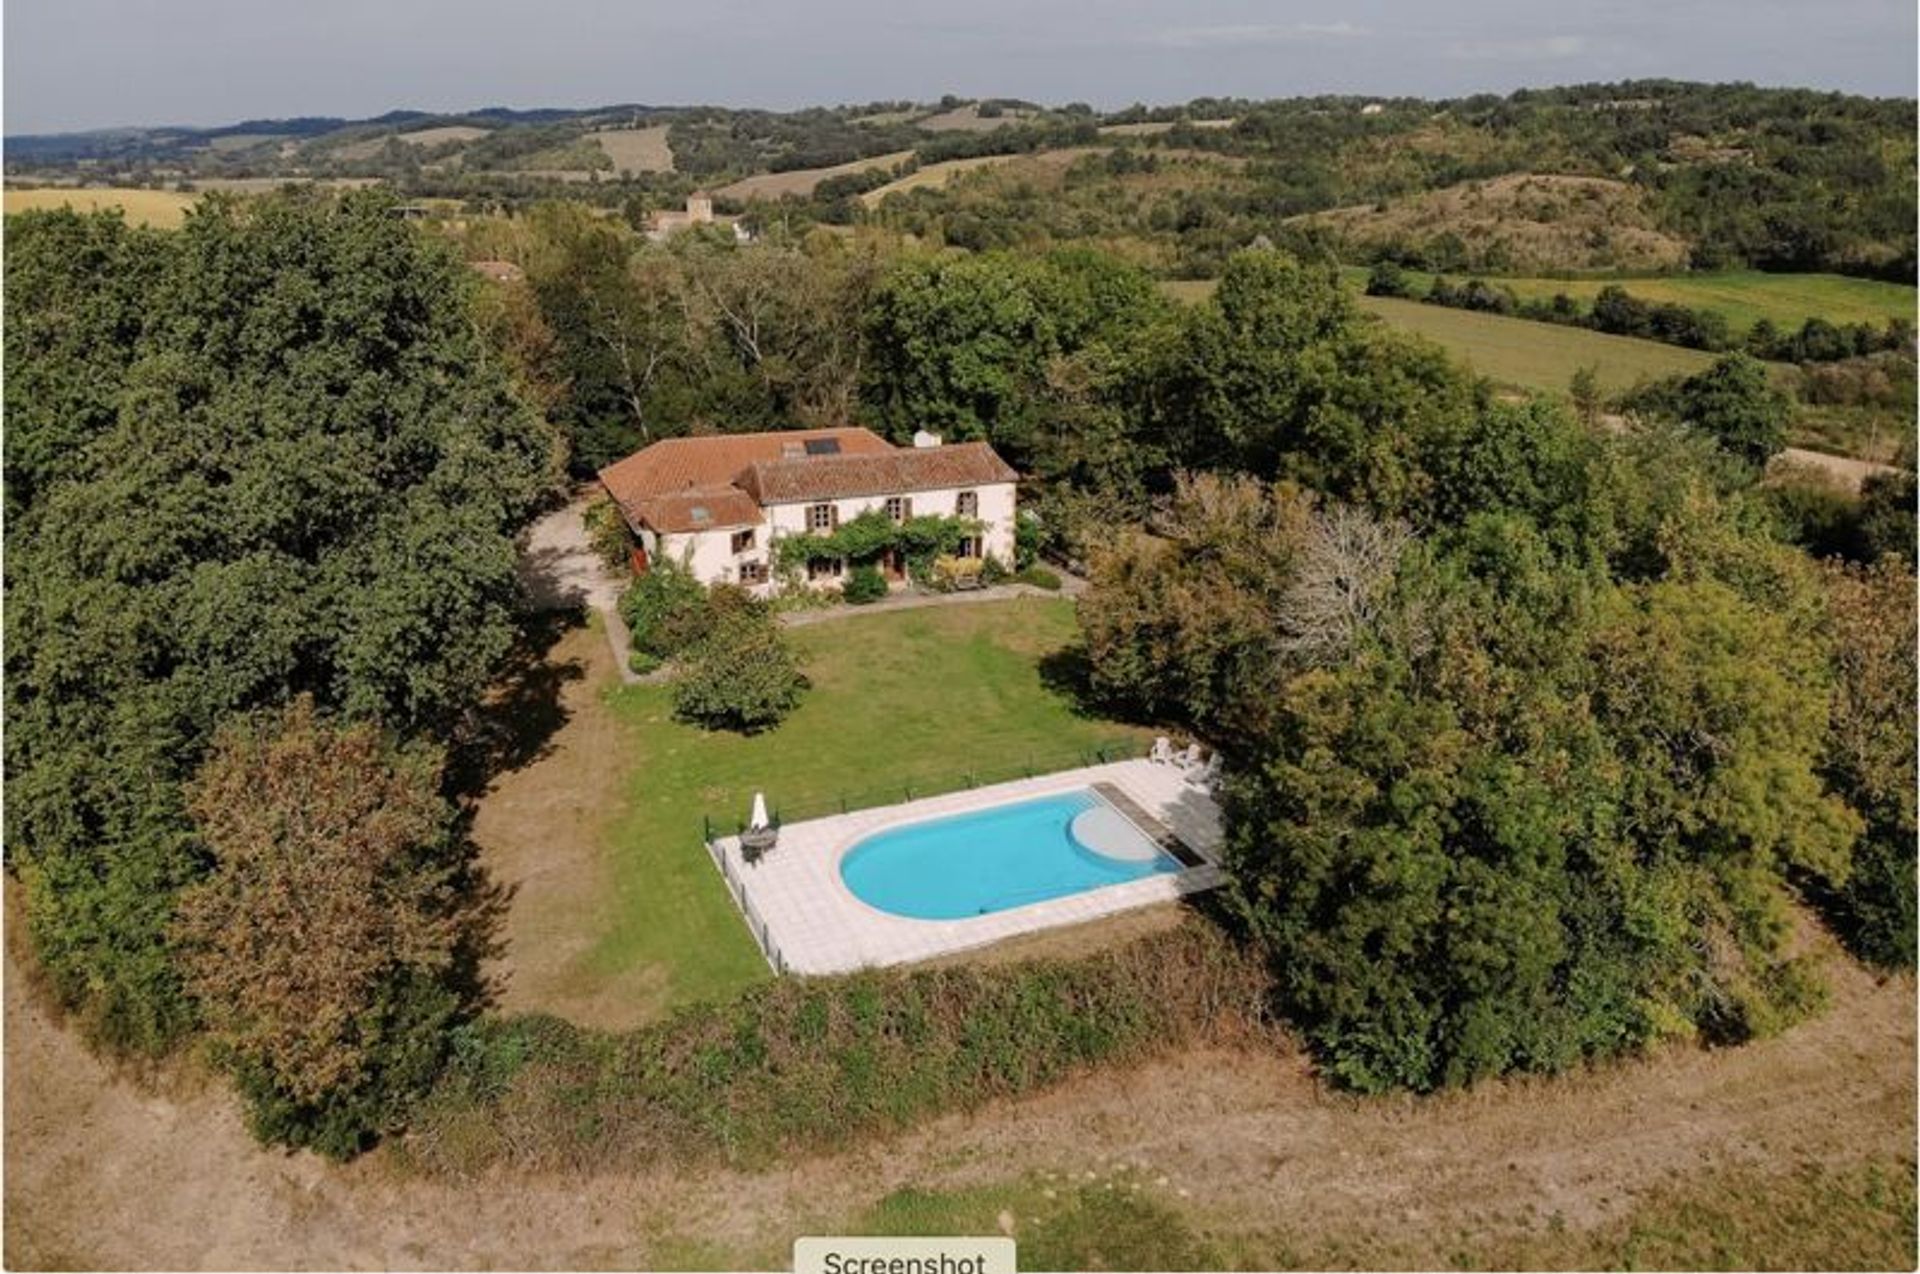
{"x":921,"y":438}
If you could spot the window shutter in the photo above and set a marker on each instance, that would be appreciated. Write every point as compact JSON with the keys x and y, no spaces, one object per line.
{"x":833,"y":516}
{"x":906,"y":508}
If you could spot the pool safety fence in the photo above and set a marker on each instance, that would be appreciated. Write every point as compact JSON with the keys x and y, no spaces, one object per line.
{"x":1031,"y":765}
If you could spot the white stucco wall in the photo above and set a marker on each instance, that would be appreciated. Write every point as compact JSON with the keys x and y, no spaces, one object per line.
{"x":996,"y":513}
{"x":710,"y":557}
{"x":709,"y":554}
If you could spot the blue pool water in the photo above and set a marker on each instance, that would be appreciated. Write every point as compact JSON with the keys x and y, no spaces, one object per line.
{"x":990,"y":860}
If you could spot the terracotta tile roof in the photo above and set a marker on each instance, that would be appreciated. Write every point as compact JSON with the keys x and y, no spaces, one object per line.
{"x":699,"y":509}
{"x":964,"y":464}
{"x":682,"y":464}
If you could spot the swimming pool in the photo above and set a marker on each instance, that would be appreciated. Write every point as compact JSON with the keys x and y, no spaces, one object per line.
{"x":1001,"y":857}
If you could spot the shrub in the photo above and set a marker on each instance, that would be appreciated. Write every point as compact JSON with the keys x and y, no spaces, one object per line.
{"x":864,"y":584}
{"x":607,"y":532}
{"x":951,"y":572}
{"x":1040,"y":577}
{"x":742,"y":676}
{"x":816,"y":1062}
{"x":665,"y":610}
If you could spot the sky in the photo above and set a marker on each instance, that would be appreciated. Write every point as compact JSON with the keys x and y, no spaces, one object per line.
{"x":79,"y":64}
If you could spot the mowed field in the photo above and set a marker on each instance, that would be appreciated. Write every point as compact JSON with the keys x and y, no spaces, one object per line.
{"x":802,"y":181}
{"x":1744,"y":297}
{"x":1537,"y":355}
{"x":936,"y":176}
{"x":1517,"y":351}
{"x":163,"y":208}
{"x":637,"y":150}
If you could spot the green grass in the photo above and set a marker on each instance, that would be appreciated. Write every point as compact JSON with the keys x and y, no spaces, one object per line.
{"x":1516,"y":351}
{"x":903,"y":701}
{"x":1744,"y":297}
{"x":1537,"y":355}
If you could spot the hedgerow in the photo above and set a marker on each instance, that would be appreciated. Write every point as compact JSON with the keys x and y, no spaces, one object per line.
{"x":817,"y":1062}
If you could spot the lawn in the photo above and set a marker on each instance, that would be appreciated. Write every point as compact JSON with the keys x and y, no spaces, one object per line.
{"x":1516,"y":351}
{"x":1743,"y":297}
{"x":1537,"y":355}
{"x":905,"y":701}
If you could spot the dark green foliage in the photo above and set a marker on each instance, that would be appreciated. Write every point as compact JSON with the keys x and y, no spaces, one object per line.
{"x":276,"y":460}
{"x":1733,"y":402}
{"x":1039,"y":577}
{"x":864,"y":584}
{"x":817,"y":1062}
{"x":665,"y":611}
{"x":742,"y":674}
{"x":1021,"y":351}
{"x":1870,"y":755}
{"x":1478,"y":846}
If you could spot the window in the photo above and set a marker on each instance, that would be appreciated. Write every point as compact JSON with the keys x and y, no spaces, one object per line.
{"x":972,"y":547}
{"x":742,"y":540}
{"x":967,"y":504}
{"x":823,"y":568}
{"x":899,"y":508}
{"x":753,"y":572}
{"x":822,"y":517}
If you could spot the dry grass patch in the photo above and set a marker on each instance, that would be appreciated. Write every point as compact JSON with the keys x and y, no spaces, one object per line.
{"x":802,"y":181}
{"x":1535,"y":221}
{"x":165,"y":209}
{"x":637,"y":150}
{"x":940,"y":175}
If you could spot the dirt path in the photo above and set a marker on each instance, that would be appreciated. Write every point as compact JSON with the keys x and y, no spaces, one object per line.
{"x":103,"y":1174}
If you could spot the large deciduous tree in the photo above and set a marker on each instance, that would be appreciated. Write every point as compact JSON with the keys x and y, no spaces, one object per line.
{"x":281,"y":463}
{"x":334,"y":939}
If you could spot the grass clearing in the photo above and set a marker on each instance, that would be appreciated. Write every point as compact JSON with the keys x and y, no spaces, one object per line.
{"x":1743,"y":297}
{"x":166,"y":209}
{"x":1537,"y":355}
{"x":802,"y":181}
{"x":939,"y":176}
{"x":637,"y":150}
{"x":916,"y":698}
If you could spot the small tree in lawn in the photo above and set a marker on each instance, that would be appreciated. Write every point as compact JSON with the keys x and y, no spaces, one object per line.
{"x":332,"y":944}
{"x":743,"y":676}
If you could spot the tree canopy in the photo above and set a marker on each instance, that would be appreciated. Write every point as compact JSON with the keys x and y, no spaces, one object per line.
{"x":266,"y":455}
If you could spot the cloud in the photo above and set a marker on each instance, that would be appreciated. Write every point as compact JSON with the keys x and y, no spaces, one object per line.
{"x":1235,"y":36}
{"x":1533,"y":50}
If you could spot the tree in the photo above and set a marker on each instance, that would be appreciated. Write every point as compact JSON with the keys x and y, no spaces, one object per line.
{"x":1869,"y":758}
{"x":742,"y":676}
{"x":332,"y":942}
{"x":309,"y":481}
{"x":1734,"y":403}
{"x":1584,"y":389}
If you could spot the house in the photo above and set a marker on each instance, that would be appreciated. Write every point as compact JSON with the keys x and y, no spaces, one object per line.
{"x":719,"y":504}
{"x":664,"y":225}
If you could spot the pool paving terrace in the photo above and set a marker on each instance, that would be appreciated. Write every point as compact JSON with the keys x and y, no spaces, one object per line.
{"x":808,"y":921}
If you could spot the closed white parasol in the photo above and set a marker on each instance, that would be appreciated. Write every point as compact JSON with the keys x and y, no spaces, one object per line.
{"x":759,"y":817}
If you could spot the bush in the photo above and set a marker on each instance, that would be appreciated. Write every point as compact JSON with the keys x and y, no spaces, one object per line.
{"x":951,"y":572}
{"x":1040,"y":577}
{"x":815,"y":1062}
{"x":742,"y":676}
{"x":607,"y":533}
{"x":864,"y":584}
{"x":665,"y":610}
